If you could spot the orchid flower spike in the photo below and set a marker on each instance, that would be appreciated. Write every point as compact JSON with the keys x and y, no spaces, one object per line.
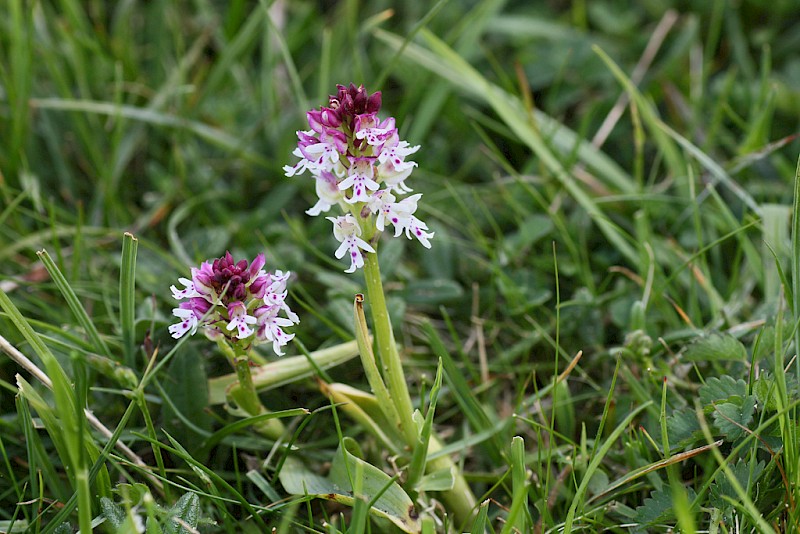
{"x":238,"y":300}
{"x":359,"y":163}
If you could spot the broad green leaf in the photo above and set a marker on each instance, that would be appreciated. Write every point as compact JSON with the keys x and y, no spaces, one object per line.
{"x":531,"y":230}
{"x":393,"y":503}
{"x":440,"y":261}
{"x":715,"y":347}
{"x":441,"y":480}
{"x":658,"y":506}
{"x":366,"y":410}
{"x":185,"y":383}
{"x":764,"y":390}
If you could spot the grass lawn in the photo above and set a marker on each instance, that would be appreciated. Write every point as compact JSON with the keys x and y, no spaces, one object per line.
{"x":588,"y":321}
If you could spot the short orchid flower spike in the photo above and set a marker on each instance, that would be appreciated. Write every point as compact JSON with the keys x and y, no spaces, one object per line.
{"x":238,"y":300}
{"x":359,"y":163}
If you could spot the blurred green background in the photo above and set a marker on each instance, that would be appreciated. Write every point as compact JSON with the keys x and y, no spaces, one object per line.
{"x":172,"y":120}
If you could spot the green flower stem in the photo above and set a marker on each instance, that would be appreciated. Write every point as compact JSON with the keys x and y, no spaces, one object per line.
{"x":459,"y":499}
{"x":244,"y":393}
{"x":394,"y":376}
{"x":286,"y":370}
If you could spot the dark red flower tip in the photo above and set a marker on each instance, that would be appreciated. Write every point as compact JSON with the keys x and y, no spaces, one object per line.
{"x":351,"y":101}
{"x":230,"y":274}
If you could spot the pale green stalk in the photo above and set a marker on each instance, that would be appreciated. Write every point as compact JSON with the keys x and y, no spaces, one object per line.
{"x":244,"y":393}
{"x":387,"y":349}
{"x":460,"y":500}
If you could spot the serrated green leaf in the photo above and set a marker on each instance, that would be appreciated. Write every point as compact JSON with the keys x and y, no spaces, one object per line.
{"x":720,"y":389}
{"x":723,"y":488}
{"x":715,"y":347}
{"x":682,"y":426}
{"x":658,"y":506}
{"x":654,"y":508}
{"x":728,"y":416}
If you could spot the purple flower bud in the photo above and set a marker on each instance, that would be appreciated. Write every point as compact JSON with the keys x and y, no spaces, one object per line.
{"x":258,"y":262}
{"x":330,"y":118}
{"x":315,"y":120}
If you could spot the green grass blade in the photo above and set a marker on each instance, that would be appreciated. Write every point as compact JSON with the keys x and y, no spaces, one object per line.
{"x":479,"y":524}
{"x":444,"y":61}
{"x":464,"y":395}
{"x":419,"y":455}
{"x":213,"y":136}
{"x":578,"y":500}
{"x":518,"y":519}
{"x":74,"y":305}
{"x":127,"y":298}
{"x":795,"y":262}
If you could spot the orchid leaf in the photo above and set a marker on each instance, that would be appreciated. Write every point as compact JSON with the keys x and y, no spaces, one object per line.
{"x":386,"y":498}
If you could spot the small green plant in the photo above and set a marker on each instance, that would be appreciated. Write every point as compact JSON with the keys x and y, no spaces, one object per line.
{"x":138,"y":512}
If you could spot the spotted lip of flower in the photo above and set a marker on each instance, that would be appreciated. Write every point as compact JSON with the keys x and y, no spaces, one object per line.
{"x":346,"y":230}
{"x":226,"y":298}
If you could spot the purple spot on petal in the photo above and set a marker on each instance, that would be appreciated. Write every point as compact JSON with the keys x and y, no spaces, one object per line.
{"x":394,"y":220}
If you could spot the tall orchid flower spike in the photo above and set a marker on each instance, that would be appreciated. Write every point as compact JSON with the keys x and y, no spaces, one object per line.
{"x":360,"y":164}
{"x":238,"y":300}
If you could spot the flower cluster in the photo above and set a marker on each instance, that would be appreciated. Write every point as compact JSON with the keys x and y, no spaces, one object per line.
{"x":236,"y":300}
{"x":359,"y":163}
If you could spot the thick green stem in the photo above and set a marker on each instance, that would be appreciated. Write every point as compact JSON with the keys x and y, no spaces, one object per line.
{"x":460,"y":500}
{"x":387,"y":349}
{"x":245,"y":396}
